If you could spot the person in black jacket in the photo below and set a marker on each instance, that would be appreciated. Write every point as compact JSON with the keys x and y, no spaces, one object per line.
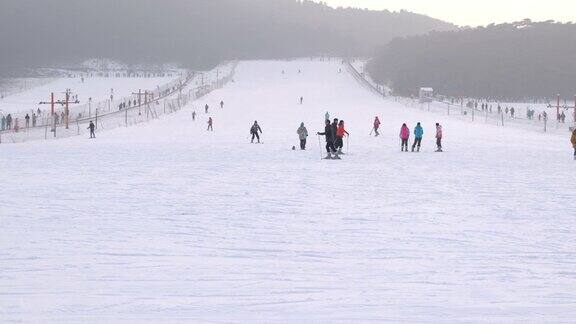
{"x":329,"y":134}
{"x":254,"y":131}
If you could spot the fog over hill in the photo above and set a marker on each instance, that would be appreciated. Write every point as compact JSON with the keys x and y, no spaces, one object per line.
{"x":197,"y":33}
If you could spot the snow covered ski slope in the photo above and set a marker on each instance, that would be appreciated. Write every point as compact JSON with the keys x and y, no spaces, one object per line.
{"x":167,"y":223}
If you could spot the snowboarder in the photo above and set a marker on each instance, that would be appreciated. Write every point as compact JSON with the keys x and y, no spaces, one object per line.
{"x":340,"y":133}
{"x":418,"y":134}
{"x":206,"y":108}
{"x":376,"y":126}
{"x":254,"y":131}
{"x":303,"y":135}
{"x":210,"y":128}
{"x":92,"y":127}
{"x":329,"y":134}
{"x":439,"y":135}
{"x":573,"y":140}
{"x":404,"y":136}
{"x":222,"y":104}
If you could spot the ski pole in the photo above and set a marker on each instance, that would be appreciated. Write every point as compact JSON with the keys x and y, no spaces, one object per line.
{"x":347,"y":144}
{"x":319,"y":146}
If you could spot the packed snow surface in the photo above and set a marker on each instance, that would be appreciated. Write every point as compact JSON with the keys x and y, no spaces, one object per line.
{"x":165,"y":222}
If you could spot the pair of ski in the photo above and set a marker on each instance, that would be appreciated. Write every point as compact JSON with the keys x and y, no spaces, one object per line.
{"x":333,"y":157}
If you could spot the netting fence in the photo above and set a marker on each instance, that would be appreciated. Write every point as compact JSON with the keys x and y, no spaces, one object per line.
{"x":126,"y":111}
{"x":473,"y":110}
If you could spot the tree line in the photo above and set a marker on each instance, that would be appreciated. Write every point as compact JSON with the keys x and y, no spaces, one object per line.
{"x":513,"y":61}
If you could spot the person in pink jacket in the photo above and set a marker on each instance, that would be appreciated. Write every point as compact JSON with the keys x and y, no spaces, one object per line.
{"x":404,"y":136}
{"x":439,"y":135}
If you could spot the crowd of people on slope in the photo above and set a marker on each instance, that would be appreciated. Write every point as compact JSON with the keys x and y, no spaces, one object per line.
{"x":512,"y":112}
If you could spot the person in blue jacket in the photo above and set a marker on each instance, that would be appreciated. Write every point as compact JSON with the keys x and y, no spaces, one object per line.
{"x":418,"y":134}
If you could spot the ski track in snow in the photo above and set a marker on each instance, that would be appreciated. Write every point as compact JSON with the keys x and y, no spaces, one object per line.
{"x":165,"y":222}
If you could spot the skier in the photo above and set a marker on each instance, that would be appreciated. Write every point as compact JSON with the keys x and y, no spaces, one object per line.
{"x":9,"y":121}
{"x":92,"y":127}
{"x":329,"y":134}
{"x":334,"y":128}
{"x":303,"y":135}
{"x":254,"y":131}
{"x":327,"y":116}
{"x":210,"y":128}
{"x":376,"y":126}
{"x":404,"y":136}
{"x":206,"y":108}
{"x":418,"y":134}
{"x":301,"y":100}
{"x":439,"y":135}
{"x":3,"y":123}
{"x":340,"y":133}
{"x":27,"y":118}
{"x":573,"y":140}
{"x":221,"y":104}
{"x":194,"y":115}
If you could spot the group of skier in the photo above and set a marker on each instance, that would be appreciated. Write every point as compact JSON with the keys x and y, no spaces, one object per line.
{"x":6,"y":122}
{"x":418,"y":135}
{"x":334,"y":134}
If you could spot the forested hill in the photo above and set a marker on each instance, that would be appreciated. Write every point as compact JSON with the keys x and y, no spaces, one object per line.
{"x":508,"y":61}
{"x":194,"y":32}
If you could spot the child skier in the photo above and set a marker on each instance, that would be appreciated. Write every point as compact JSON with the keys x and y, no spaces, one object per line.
{"x":439,"y":135}
{"x":418,"y":134}
{"x":404,"y":136}
{"x":340,"y":133}
{"x":254,"y":131}
{"x":210,"y":122}
{"x":329,"y":140}
{"x":376,"y":126}
{"x":303,"y":135}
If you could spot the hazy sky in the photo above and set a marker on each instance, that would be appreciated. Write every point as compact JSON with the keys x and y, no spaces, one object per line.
{"x":475,"y":12}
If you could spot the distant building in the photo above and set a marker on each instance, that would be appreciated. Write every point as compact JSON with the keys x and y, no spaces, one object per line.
{"x":426,"y":94}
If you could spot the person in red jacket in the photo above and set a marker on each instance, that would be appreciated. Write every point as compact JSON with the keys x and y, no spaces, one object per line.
{"x":340,"y":133}
{"x":376,"y":126}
